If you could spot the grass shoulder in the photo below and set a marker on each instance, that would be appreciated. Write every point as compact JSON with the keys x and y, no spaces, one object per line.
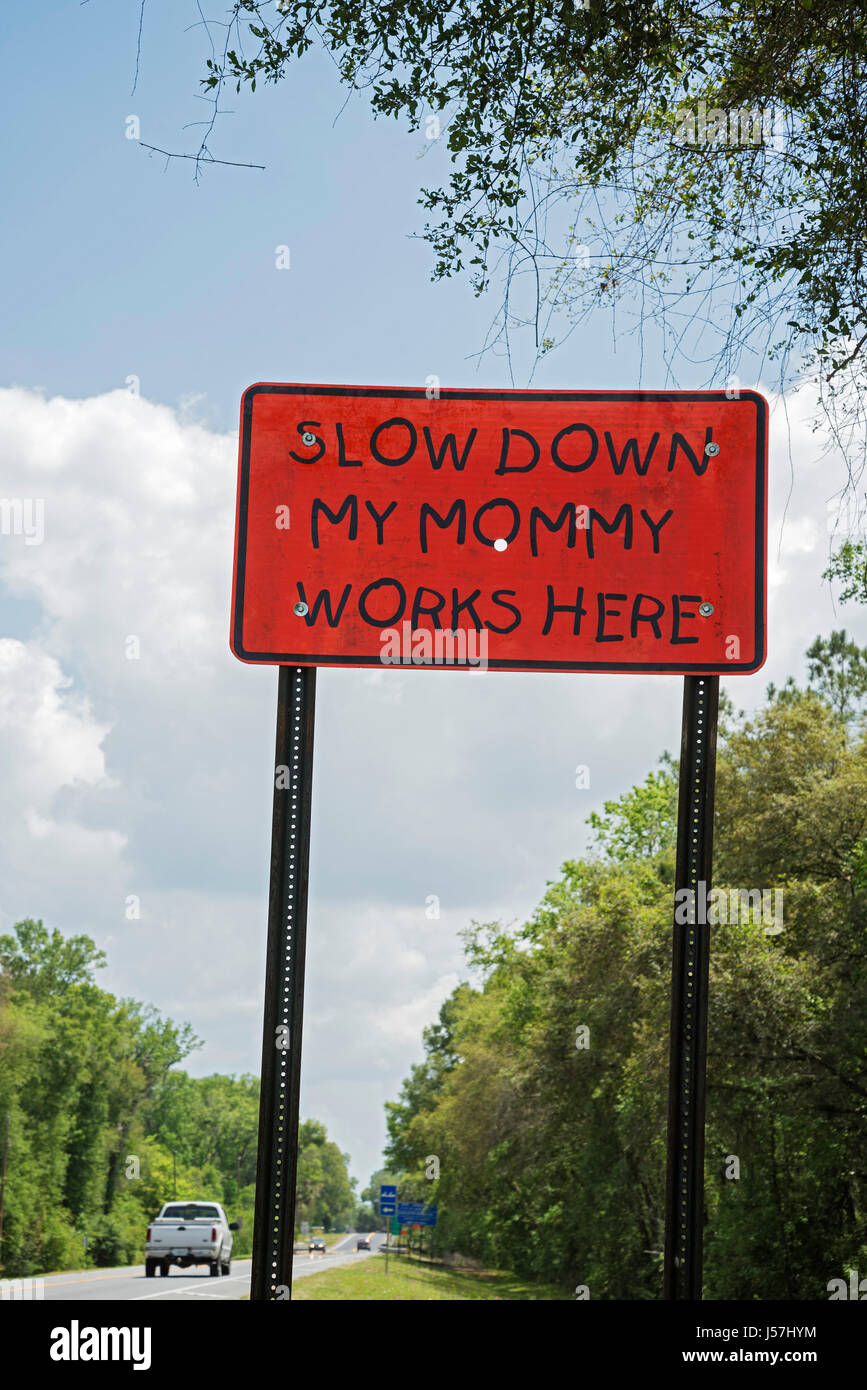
{"x":414,"y":1280}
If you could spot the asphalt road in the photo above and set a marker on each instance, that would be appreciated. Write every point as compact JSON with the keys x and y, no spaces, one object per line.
{"x":130,"y":1285}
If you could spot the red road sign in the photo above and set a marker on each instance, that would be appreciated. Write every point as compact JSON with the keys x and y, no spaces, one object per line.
{"x":531,"y":530}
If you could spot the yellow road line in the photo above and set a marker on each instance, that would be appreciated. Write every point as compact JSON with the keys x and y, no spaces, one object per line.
{"x":92,"y":1278}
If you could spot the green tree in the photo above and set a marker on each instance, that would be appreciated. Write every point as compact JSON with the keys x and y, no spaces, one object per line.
{"x":643,"y":822}
{"x":849,"y":564}
{"x":838,"y":672}
{"x":702,"y":160}
{"x":550,"y":1120}
{"x":45,"y":963}
{"x":81,"y":1067}
{"x":103,"y":1123}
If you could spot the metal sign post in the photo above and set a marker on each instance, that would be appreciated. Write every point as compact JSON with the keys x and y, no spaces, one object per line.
{"x":274,"y":1229}
{"x":684,"y":1198}
{"x":387,"y":1208}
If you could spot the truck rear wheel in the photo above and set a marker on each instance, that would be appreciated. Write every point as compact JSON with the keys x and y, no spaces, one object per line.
{"x":165,"y":1266}
{"x":150,"y":1268}
{"x":214,"y":1268}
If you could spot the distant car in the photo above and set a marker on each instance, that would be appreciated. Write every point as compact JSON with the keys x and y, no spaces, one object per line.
{"x":318,"y":1245}
{"x":363,"y":1243}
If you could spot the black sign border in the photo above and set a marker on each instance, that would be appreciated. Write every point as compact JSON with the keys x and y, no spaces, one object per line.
{"x":456,"y":393}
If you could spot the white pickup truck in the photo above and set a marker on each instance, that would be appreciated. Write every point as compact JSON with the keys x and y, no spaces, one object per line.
{"x":189,"y":1233}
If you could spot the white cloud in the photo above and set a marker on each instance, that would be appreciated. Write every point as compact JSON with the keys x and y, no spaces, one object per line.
{"x":402,"y":1024}
{"x":136,"y":530}
{"x":52,"y":757}
{"x":50,"y":737}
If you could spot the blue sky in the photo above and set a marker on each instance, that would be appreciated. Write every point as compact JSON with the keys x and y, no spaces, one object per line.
{"x":152,"y":778}
{"x":122,"y":264}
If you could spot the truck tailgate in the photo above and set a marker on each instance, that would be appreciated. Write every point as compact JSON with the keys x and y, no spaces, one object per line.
{"x":177,"y":1237}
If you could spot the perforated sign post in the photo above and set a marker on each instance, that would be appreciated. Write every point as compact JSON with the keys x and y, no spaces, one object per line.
{"x":484,"y":531}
